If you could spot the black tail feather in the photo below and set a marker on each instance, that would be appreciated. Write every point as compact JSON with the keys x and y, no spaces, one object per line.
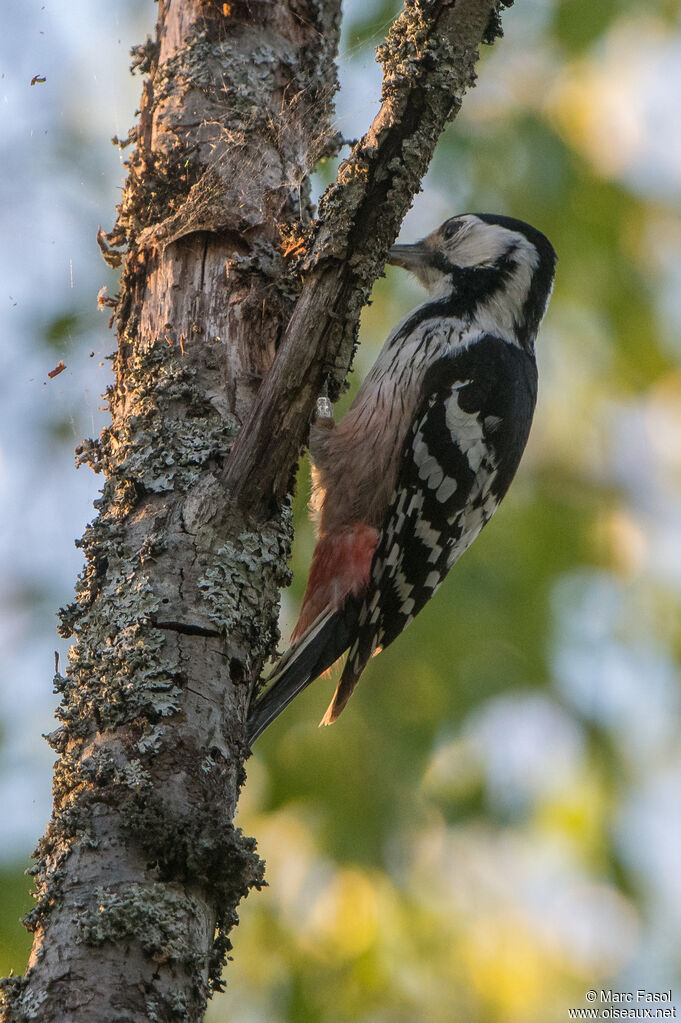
{"x":316,"y":650}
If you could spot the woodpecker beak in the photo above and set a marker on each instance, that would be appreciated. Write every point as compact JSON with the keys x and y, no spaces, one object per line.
{"x":412,"y":257}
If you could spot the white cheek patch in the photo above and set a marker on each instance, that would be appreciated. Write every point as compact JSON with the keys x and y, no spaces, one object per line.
{"x":481,"y":244}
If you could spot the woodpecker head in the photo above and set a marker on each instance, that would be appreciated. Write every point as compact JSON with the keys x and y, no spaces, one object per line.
{"x":490,"y":269}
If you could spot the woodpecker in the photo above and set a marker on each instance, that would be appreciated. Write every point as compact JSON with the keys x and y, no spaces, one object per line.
{"x":404,"y":483}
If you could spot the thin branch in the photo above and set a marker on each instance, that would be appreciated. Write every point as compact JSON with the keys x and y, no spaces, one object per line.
{"x":428,"y":63}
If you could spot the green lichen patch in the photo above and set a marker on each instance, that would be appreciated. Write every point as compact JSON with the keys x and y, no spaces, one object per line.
{"x":198,"y":849}
{"x":231,"y":585}
{"x":161,"y":917}
{"x":203,"y":61}
{"x":126,"y":677}
{"x":144,"y":56}
{"x":167,"y":405}
{"x":18,"y":1003}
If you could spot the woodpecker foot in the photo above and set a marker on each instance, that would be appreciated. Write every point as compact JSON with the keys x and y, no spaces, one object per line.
{"x":324,"y":409}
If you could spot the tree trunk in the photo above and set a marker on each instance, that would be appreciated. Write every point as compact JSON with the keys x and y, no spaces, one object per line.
{"x":141,"y":869}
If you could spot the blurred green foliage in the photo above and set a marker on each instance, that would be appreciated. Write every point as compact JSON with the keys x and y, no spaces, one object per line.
{"x":16,"y":901}
{"x":61,"y":330}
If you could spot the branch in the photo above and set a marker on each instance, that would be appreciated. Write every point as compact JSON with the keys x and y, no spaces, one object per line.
{"x":428,"y":63}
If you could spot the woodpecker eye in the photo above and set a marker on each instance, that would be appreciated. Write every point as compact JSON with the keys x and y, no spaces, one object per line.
{"x":451,"y":229}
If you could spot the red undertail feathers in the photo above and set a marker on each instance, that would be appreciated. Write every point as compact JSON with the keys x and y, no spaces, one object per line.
{"x":340,"y":568}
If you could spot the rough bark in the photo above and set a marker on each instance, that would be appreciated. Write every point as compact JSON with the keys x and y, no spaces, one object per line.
{"x":233,"y":309}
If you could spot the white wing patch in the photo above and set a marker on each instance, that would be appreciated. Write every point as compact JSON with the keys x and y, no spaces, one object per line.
{"x":467,"y":431}
{"x":394,"y":555}
{"x":425,"y":532}
{"x":431,"y":473}
{"x":404,"y":589}
{"x":416,"y":503}
{"x":446,"y":489}
{"x":429,"y":469}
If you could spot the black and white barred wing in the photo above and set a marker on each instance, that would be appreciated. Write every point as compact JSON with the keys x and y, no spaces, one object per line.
{"x":458,"y":460}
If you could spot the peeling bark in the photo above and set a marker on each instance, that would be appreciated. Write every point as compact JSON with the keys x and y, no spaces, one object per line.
{"x":234,"y":308}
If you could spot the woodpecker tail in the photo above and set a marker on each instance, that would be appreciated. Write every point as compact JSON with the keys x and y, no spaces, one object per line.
{"x":364,"y":647}
{"x":327,"y":623}
{"x":316,"y":650}
{"x":344,"y":691}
